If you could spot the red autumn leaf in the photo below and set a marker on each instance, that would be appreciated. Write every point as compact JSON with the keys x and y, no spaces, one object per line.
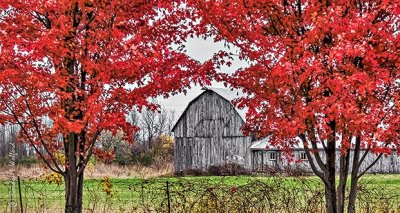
{"x":325,"y":73}
{"x":72,"y":69}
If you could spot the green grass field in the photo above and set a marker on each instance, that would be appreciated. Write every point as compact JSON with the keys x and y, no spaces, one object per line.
{"x":195,"y":194}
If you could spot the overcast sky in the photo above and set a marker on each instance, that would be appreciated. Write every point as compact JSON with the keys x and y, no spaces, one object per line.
{"x":201,"y":50}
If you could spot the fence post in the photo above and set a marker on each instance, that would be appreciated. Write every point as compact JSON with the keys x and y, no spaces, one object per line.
{"x":142,"y":194}
{"x":11,"y":201}
{"x":168,"y":197}
{"x":20,"y":195}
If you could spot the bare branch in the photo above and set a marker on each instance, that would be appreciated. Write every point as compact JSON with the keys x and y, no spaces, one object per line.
{"x":311,"y":160}
{"x":89,"y":152}
{"x":370,"y":166}
{"x":57,"y":170}
{"x":316,"y":154}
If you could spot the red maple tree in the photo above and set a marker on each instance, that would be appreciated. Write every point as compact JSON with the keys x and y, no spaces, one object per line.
{"x":71,"y":69}
{"x":323,"y":73}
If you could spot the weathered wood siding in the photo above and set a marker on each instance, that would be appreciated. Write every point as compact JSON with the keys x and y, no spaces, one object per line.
{"x":208,"y":133}
{"x":389,"y":164}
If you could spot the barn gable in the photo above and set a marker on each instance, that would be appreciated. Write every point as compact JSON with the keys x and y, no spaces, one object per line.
{"x":207,"y":111}
{"x":209,"y":132}
{"x":230,"y":95}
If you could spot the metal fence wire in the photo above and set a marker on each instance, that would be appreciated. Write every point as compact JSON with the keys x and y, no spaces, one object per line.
{"x":192,"y":194}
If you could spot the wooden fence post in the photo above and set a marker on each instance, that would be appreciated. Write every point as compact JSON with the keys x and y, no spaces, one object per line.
{"x":168,"y":197}
{"x":142,"y":194}
{"x":20,"y":195}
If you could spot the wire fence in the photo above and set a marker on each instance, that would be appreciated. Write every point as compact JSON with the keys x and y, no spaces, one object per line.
{"x":194,"y":194}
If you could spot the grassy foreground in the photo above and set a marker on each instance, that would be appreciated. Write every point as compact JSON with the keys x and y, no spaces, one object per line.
{"x":201,"y":194}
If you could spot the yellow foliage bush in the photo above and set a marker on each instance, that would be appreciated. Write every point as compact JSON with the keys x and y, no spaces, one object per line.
{"x":107,"y":185}
{"x":54,"y":178}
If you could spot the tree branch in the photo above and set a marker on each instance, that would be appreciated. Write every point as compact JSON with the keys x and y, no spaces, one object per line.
{"x":36,"y":127}
{"x":89,"y":152}
{"x":316,"y":154}
{"x":59,"y":171}
{"x":311,"y":160}
{"x":370,"y":166}
{"x":42,"y":18}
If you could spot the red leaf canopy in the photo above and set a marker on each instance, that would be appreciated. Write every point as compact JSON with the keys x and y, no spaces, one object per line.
{"x":314,"y":63}
{"x":79,"y":66}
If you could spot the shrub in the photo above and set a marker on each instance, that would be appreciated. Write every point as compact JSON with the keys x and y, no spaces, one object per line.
{"x":214,"y":170}
{"x":296,"y":171}
{"x":195,"y":172}
{"x":270,"y":170}
{"x":24,"y":160}
{"x":157,"y":155}
{"x":54,"y":178}
{"x":163,"y":150}
{"x":145,"y":158}
{"x":27,"y":161}
{"x":293,"y":171}
{"x":227,"y":169}
{"x":107,"y":186}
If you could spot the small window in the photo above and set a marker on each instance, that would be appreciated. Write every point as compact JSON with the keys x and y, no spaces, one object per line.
{"x":272,"y":156}
{"x":303,"y":156}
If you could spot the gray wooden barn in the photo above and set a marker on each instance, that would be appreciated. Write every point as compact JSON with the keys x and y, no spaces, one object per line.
{"x":209,"y":132}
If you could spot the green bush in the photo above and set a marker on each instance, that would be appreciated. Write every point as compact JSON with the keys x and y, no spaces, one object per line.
{"x":145,"y":159}
{"x":27,"y":161}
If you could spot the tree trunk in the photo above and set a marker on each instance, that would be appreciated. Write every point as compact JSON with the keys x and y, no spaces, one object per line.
{"x":354,"y":177}
{"x":73,"y":180}
{"x":81,"y":174}
{"x":353,"y":195}
{"x":80,"y":191}
{"x":330,"y":186}
{"x":73,"y":193}
{"x":343,"y":174}
{"x":330,"y":198}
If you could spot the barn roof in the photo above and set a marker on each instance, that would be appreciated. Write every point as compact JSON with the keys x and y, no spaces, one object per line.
{"x":225,"y":93}
{"x":264,"y":144}
{"x":230,"y":95}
